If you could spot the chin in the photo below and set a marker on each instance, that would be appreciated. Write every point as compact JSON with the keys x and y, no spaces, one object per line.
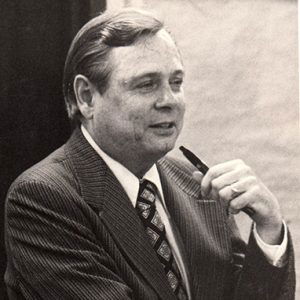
{"x":163,"y":149}
{"x":156,"y":148}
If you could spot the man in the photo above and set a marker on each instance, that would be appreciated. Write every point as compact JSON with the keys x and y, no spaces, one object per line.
{"x":108,"y":216}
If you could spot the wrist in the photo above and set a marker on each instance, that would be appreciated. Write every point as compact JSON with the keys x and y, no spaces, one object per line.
{"x":271,"y":233}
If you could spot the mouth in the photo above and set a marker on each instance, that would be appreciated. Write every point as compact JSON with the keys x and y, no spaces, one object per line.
{"x":163,"y":129}
{"x":163,"y":125}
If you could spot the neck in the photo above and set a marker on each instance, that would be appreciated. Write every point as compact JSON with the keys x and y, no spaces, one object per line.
{"x":136,"y":166}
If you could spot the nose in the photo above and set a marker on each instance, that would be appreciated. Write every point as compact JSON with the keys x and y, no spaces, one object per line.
{"x":169,"y":99}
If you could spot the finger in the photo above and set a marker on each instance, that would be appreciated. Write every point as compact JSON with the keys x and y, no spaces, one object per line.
{"x":232,"y":211}
{"x":227,"y":193}
{"x":215,"y":175}
{"x":233,"y":190}
{"x":197,"y":175}
{"x":228,"y":179}
{"x":216,"y":171}
{"x":240,"y":202}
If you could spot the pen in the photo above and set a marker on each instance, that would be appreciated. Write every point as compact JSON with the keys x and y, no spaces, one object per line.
{"x":203,"y":168}
{"x":200,"y":165}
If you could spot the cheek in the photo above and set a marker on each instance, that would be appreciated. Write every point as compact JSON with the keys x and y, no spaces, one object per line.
{"x":182,"y":105}
{"x":182,"y":116}
{"x":137,"y":122}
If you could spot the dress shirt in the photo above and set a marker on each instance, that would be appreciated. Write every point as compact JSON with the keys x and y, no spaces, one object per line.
{"x":275,"y":254}
{"x":130,"y":183}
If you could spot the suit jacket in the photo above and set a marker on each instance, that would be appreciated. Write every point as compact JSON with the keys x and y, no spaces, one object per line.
{"x":72,"y":233}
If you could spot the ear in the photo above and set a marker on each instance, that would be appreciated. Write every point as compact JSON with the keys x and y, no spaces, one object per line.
{"x":84,"y":91}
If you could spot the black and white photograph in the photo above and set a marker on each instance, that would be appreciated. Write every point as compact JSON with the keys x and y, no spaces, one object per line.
{"x":149,"y":150}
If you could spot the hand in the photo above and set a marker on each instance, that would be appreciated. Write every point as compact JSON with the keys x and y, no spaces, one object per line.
{"x":235,"y":184}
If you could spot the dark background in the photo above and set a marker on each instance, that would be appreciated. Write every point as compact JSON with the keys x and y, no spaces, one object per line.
{"x":34,"y":39}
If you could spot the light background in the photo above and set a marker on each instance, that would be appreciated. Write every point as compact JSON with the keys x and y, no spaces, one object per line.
{"x":241,"y":61}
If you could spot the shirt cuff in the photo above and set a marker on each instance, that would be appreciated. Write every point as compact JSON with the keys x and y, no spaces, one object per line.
{"x":275,"y":254}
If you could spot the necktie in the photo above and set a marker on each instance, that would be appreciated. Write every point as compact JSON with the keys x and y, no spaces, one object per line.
{"x":155,"y":229}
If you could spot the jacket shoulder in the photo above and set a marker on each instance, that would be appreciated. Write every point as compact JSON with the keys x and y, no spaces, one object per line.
{"x":54,"y":170}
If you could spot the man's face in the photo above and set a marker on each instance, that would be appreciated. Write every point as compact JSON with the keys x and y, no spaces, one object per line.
{"x":140,"y":115}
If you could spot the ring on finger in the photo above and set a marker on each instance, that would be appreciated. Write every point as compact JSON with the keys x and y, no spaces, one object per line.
{"x":235,"y":192}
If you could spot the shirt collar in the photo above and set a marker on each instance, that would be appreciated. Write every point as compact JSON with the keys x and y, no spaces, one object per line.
{"x":127,"y":179}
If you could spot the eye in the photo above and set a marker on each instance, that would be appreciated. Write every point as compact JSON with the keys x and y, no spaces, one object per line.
{"x":176,"y":83}
{"x":147,"y":85}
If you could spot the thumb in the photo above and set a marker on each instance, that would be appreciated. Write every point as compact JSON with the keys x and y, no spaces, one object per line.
{"x":197,"y":175}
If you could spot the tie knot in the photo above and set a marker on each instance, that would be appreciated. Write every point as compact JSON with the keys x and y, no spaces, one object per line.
{"x":147,"y":191}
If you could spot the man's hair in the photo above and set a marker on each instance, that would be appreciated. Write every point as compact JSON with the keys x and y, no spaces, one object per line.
{"x":89,"y":52}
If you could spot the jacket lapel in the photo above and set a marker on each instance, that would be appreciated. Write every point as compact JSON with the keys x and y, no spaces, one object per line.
{"x":202,"y":227}
{"x":172,"y":197}
{"x":122,"y":221}
{"x":102,"y":191}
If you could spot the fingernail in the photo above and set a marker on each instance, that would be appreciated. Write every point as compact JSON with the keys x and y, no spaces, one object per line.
{"x":198,"y":176}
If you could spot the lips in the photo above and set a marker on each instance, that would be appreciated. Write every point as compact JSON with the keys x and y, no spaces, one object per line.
{"x":163,"y":125}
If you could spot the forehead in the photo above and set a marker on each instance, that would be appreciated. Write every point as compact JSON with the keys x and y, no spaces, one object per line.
{"x":150,"y":54}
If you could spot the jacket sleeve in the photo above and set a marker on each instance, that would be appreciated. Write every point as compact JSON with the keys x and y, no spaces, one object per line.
{"x":53,"y":249}
{"x":254,"y":277}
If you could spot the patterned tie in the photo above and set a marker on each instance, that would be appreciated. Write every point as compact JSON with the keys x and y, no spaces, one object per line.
{"x":155,"y":229}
